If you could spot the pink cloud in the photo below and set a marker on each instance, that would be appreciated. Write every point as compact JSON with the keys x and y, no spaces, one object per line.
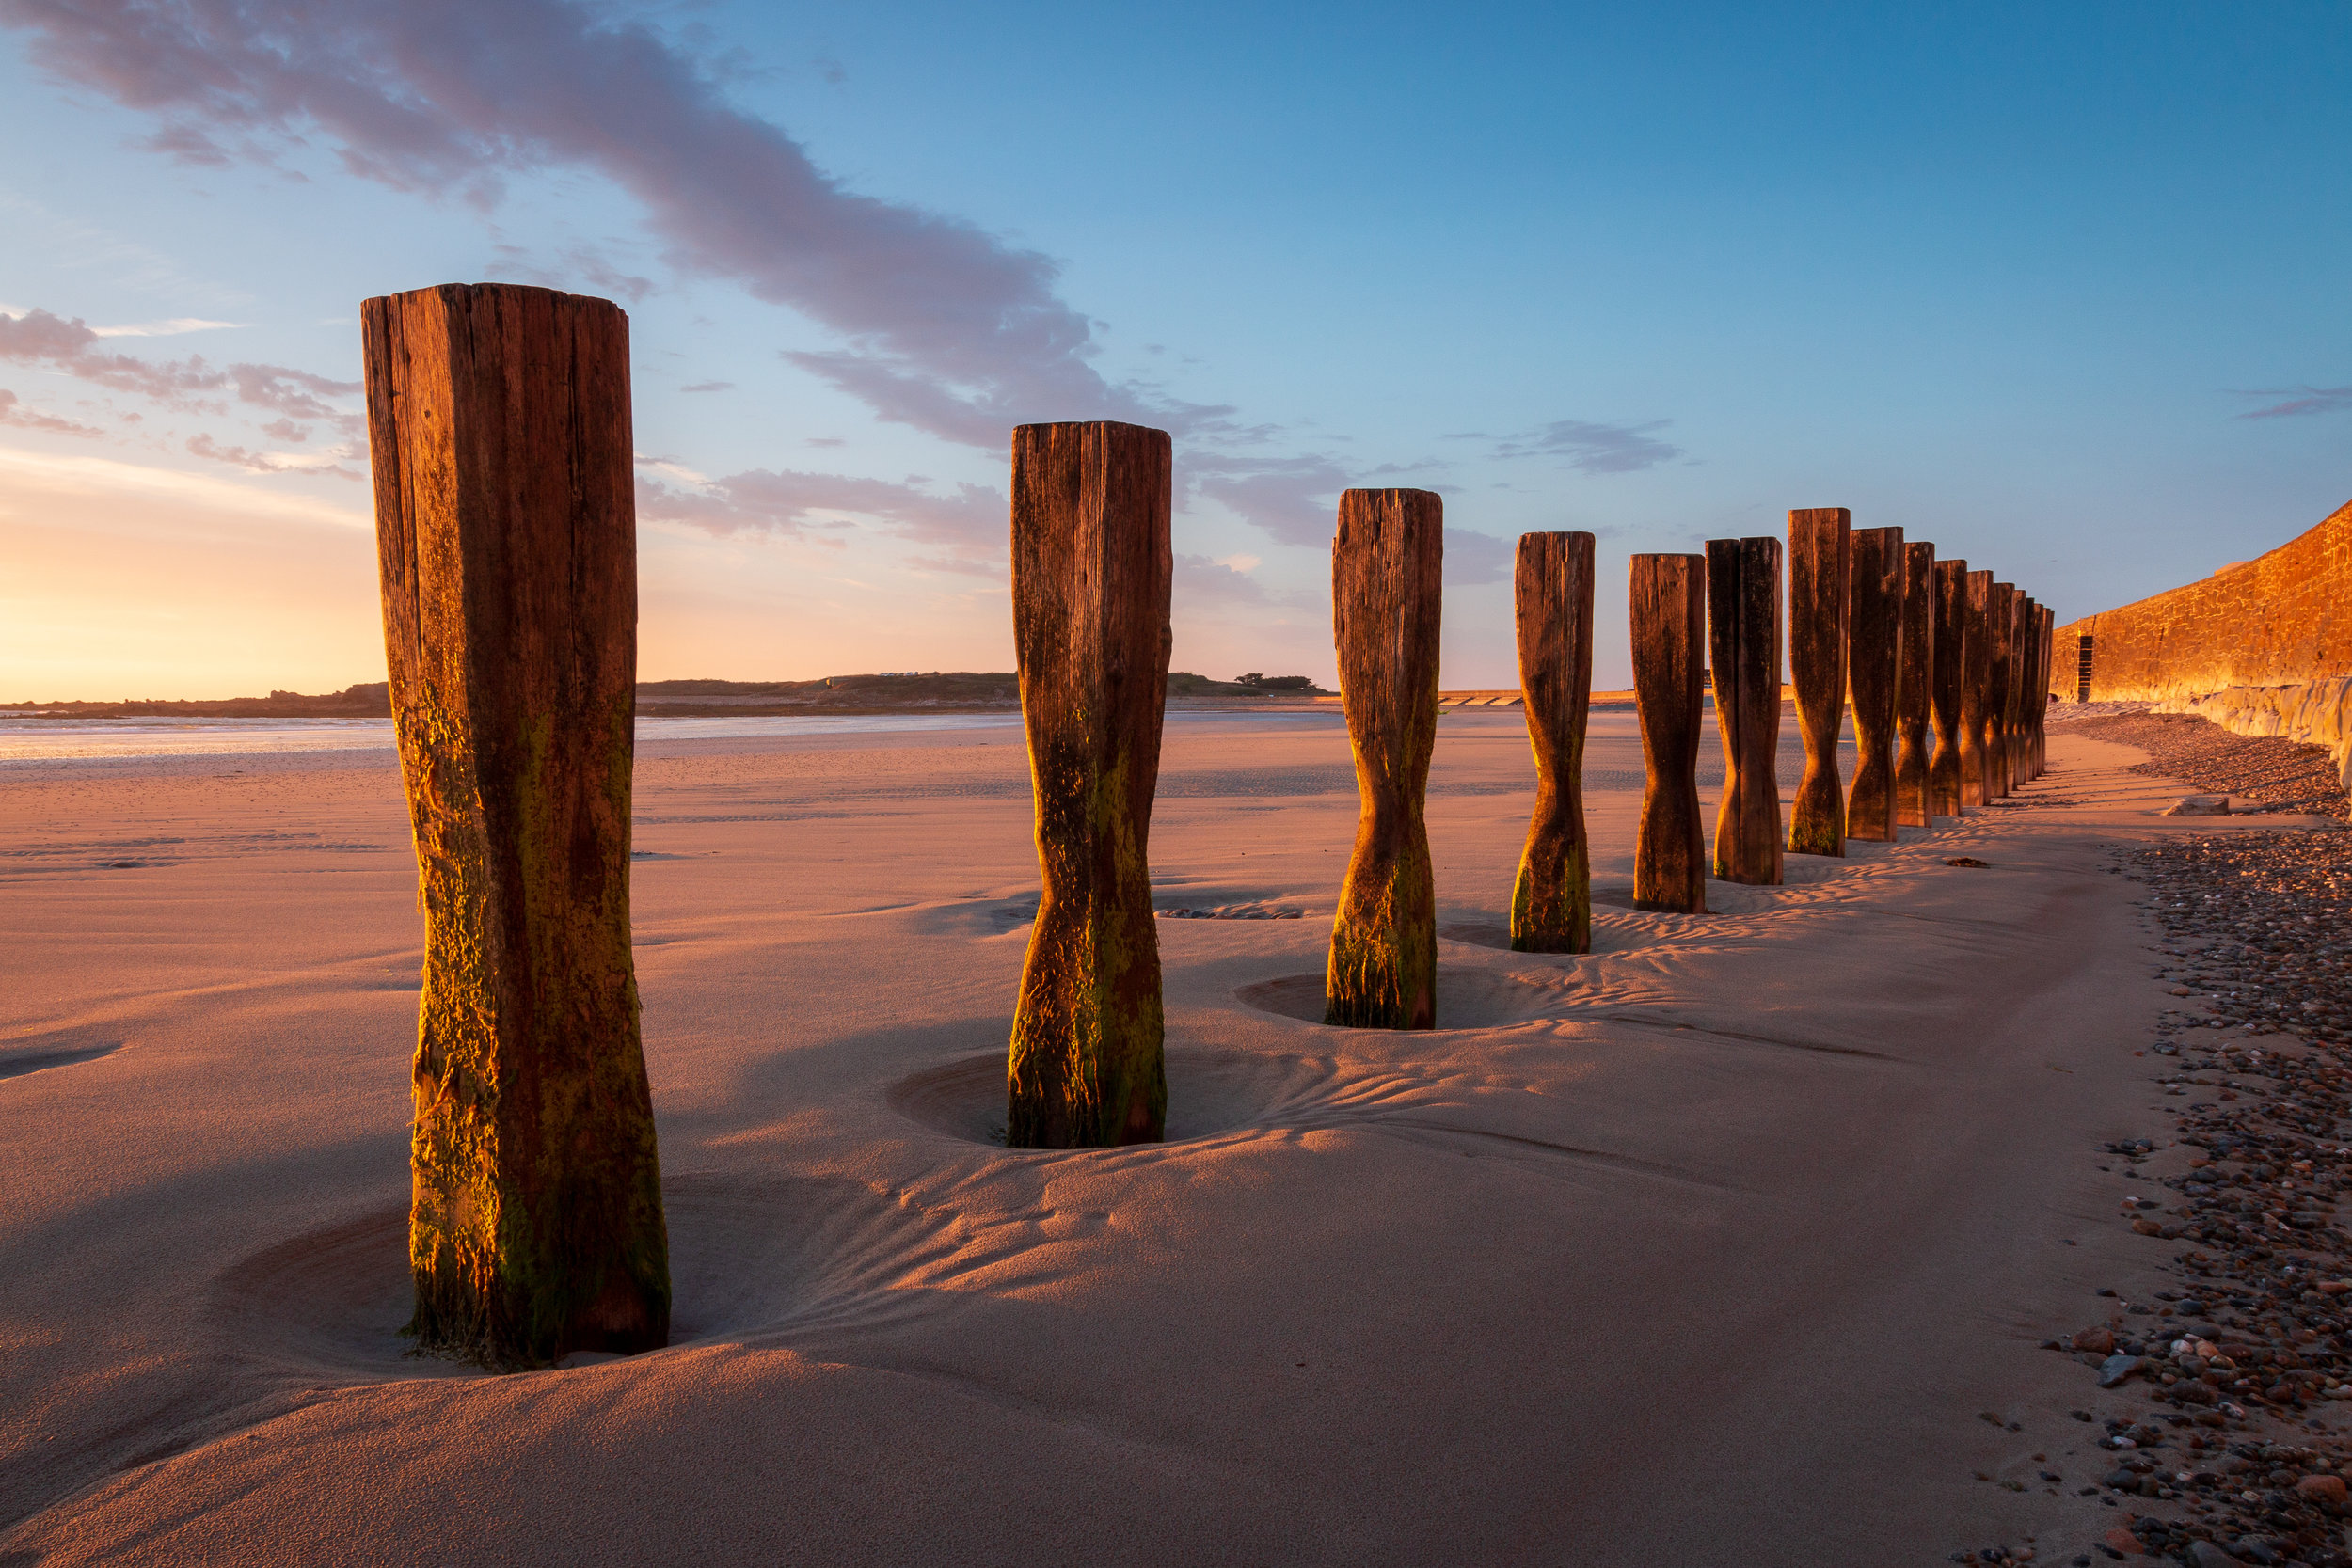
{"x":39,"y":337}
{"x":15,"y":413}
{"x":969,"y":523}
{"x":951,"y":330}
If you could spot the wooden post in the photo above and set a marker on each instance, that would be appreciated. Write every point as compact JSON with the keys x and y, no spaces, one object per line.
{"x":1915,"y":688}
{"x":1552,"y":902}
{"x":1950,"y":677}
{"x":1090,"y":575}
{"x":1669,"y":613}
{"x":1743,"y":628}
{"x":1973,"y":688}
{"x":2001,"y":621}
{"x":498,"y":426}
{"x":2021,"y":688}
{"x":2042,"y":692}
{"x":1386,"y":568}
{"x":1873,"y":669}
{"x":1819,"y":549}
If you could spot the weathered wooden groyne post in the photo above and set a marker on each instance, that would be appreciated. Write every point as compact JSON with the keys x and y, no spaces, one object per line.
{"x":1950,"y":679}
{"x":1819,"y":551}
{"x":498,"y":426}
{"x":2000,"y":638}
{"x":1974,"y":687}
{"x":2021,"y":678}
{"x":1873,"y":668}
{"x":1552,"y":900}
{"x":1091,"y":570}
{"x":1914,"y":689}
{"x":2042,"y":692}
{"x":1387,"y":567}
{"x":1743,"y":640}
{"x":1668,"y":600}
{"x":2029,"y":685}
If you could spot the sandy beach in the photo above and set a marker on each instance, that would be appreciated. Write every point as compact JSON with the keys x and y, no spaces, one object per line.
{"x":1713,"y":1246}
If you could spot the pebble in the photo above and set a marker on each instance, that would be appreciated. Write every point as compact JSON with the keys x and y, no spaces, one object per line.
{"x":2255,"y":1338}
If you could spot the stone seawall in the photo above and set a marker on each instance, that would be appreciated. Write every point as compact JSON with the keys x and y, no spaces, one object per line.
{"x":2260,"y":647}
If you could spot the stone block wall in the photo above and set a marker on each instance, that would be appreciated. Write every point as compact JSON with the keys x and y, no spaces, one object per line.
{"x":2263,"y":647}
{"x":2282,"y":619}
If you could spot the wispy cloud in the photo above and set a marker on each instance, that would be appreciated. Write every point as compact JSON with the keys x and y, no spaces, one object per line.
{"x":948,"y":327}
{"x":39,"y":337}
{"x":15,"y":413}
{"x":2300,"y":400}
{"x":101,"y":477}
{"x":710,"y":387}
{"x":1472,"y":558}
{"x":576,"y":265}
{"x":967,"y":523}
{"x":1595,"y":447}
{"x":1295,"y":499}
{"x":270,"y":462}
{"x":172,"y":328}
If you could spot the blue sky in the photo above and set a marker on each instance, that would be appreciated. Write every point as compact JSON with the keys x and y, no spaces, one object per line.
{"x":2028,"y":281}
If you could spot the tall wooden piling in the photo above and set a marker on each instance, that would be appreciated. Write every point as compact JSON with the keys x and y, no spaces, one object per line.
{"x":1091,"y":570}
{"x":1819,"y":551}
{"x":498,"y":426}
{"x":2042,"y":692}
{"x":1978,"y":676}
{"x":1743,"y":640}
{"x":2021,"y":673}
{"x":2030,"y":691}
{"x":1873,"y":669}
{"x":1668,"y":597}
{"x":1914,"y":689}
{"x":1551,"y":901}
{"x":1387,"y":564}
{"x":2001,"y":631}
{"x":1950,"y":677}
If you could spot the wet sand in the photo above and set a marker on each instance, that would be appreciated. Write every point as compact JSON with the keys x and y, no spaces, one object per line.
{"x":1708,"y":1247}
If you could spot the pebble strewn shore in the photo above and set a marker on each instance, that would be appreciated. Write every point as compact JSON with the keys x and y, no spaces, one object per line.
{"x":2243,"y":1366}
{"x":2275,"y":774}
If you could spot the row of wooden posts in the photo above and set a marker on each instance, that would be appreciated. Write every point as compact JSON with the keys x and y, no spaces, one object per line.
{"x":1947,"y":672}
{"x":499,"y":432}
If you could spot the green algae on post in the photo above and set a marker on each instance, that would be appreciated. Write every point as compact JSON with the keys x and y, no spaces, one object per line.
{"x":498,"y":425}
{"x":1092,"y":571}
{"x":1388,"y":563}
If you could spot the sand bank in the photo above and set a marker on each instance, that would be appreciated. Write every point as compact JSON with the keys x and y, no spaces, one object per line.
{"x":1708,"y":1247}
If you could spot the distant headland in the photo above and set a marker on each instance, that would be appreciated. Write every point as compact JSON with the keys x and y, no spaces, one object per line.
{"x":950,"y":691}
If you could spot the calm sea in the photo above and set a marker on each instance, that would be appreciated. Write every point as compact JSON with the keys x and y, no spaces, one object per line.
{"x":25,"y":740}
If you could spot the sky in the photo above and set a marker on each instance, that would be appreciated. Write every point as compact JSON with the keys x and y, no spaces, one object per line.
{"x":2061,"y":289}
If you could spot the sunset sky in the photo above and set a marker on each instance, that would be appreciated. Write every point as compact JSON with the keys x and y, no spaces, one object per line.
{"x":2062,"y":289}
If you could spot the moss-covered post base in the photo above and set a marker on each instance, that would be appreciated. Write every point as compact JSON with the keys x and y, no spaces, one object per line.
{"x":1387,"y":562}
{"x":1820,"y":551}
{"x":1874,"y":620}
{"x":1552,"y":900}
{"x":1914,"y":689}
{"x":1743,"y":632}
{"x":1667,"y":598}
{"x":1951,"y":680}
{"x":1090,"y":574}
{"x":499,"y":424}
